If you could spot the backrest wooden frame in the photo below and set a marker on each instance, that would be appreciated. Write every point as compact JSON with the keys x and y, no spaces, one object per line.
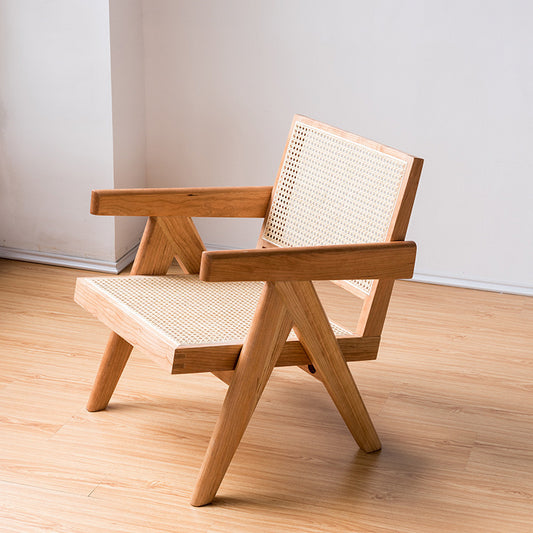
{"x":376,"y":303}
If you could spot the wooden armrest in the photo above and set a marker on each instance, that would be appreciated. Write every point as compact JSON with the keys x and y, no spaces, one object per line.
{"x":244,"y":202}
{"x":389,"y":260}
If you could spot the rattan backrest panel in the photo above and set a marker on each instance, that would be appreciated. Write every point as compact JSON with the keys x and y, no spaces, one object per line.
{"x":188,"y":311}
{"x":332,"y":190}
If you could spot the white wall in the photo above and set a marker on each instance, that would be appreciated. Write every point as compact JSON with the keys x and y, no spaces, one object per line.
{"x":129,"y":139}
{"x":56,"y":130}
{"x":71,"y":120}
{"x":450,"y":81}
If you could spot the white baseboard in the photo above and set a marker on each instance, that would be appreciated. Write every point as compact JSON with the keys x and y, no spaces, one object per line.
{"x":213,"y":247}
{"x":83,"y":263}
{"x":473,"y":284}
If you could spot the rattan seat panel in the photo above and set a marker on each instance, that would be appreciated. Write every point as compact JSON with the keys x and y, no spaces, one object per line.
{"x":189,"y":311}
{"x":333,"y":190}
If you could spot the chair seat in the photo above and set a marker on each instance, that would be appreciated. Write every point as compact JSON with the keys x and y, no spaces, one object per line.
{"x":189,"y":311}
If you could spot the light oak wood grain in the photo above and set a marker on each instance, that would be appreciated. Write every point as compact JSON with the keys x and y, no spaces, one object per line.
{"x":185,"y":240}
{"x":249,"y":202}
{"x":391,"y":260}
{"x":314,"y":331}
{"x":174,"y":229}
{"x":372,"y":317}
{"x":191,"y":359}
{"x":154,"y":257}
{"x":134,"y":329}
{"x":114,"y":359}
{"x":258,"y":357}
{"x":155,"y":253}
{"x":177,"y":359}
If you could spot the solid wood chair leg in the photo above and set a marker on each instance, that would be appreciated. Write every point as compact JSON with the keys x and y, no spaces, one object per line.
{"x":311,"y":370}
{"x":155,"y":253}
{"x":153,"y":258}
{"x":185,"y":241}
{"x":314,"y":331}
{"x":270,"y":329}
{"x":115,"y":357}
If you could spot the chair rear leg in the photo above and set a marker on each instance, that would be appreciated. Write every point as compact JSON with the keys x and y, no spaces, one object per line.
{"x":115,"y":357}
{"x":314,"y":331}
{"x":261,"y":349}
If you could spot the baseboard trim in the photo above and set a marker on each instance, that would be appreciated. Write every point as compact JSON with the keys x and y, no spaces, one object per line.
{"x":212,"y":247}
{"x":82,"y":263}
{"x":474,"y":284}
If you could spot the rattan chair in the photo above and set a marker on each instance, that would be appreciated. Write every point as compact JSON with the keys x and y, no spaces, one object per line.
{"x":338,"y":211}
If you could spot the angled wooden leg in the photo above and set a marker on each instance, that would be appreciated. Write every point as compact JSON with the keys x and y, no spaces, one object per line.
{"x":154,"y":257}
{"x":270,"y":329}
{"x":115,"y":357}
{"x":155,"y":252}
{"x":185,"y":241}
{"x":314,"y":331}
{"x":311,"y":370}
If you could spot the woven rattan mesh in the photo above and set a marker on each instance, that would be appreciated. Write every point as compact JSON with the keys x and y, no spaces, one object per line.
{"x":333,"y":191}
{"x":189,"y":311}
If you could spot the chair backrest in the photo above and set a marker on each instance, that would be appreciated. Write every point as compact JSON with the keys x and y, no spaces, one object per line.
{"x":334,"y":187}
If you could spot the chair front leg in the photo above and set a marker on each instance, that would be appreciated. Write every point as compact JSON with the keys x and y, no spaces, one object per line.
{"x":116,"y":355}
{"x":262,"y":347}
{"x":153,"y":258}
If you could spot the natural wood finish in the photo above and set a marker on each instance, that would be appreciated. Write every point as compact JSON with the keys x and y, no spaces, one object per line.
{"x":450,"y":395}
{"x":188,"y":246}
{"x":155,"y":253}
{"x":311,"y":371}
{"x":351,"y":261}
{"x":340,"y":133}
{"x":114,"y":359}
{"x":178,"y":359}
{"x":372,"y":317}
{"x":249,"y":202}
{"x":353,"y":289}
{"x":224,"y":375}
{"x":154,"y":257}
{"x":353,"y":137}
{"x":414,"y":165}
{"x":374,"y":311}
{"x":282,"y":269}
{"x":314,"y":331}
{"x":185,"y":240}
{"x":406,"y":196}
{"x":271,"y":326}
{"x":193,"y":359}
{"x":132,"y":328}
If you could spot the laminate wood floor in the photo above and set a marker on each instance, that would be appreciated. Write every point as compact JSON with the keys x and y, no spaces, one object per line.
{"x":450,"y":395}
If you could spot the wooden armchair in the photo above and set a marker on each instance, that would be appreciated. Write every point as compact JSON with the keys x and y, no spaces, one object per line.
{"x":338,"y":211}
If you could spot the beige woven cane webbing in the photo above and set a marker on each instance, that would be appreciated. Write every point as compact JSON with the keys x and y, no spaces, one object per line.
{"x":190,"y":311}
{"x":333,"y":191}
